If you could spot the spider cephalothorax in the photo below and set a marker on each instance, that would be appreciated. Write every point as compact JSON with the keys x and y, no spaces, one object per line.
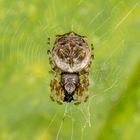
{"x":70,"y":60}
{"x":70,"y":83}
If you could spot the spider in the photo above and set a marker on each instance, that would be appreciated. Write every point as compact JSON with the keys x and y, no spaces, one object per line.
{"x":70,"y":60}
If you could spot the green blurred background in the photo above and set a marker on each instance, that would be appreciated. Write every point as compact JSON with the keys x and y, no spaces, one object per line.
{"x":113,"y":109}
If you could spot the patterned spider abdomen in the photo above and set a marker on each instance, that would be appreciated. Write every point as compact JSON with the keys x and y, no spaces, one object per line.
{"x":71,"y":52}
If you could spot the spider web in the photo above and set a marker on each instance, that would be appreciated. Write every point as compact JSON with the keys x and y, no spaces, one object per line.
{"x":23,"y":48}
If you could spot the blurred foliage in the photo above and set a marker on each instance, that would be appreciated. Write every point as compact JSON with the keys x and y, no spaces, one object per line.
{"x":113,"y":109}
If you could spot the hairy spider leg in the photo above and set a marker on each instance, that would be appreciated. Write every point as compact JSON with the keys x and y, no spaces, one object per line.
{"x":56,"y":91}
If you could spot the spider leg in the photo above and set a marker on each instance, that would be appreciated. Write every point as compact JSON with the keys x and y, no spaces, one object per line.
{"x":92,"y":55}
{"x":85,"y":85}
{"x":56,"y":91}
{"x":59,"y":94}
{"x":48,"y":41}
{"x":56,"y":88}
{"x":82,"y":94}
{"x":48,"y":50}
{"x":53,"y":84}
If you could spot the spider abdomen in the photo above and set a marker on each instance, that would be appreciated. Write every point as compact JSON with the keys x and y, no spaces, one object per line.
{"x":71,"y":53}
